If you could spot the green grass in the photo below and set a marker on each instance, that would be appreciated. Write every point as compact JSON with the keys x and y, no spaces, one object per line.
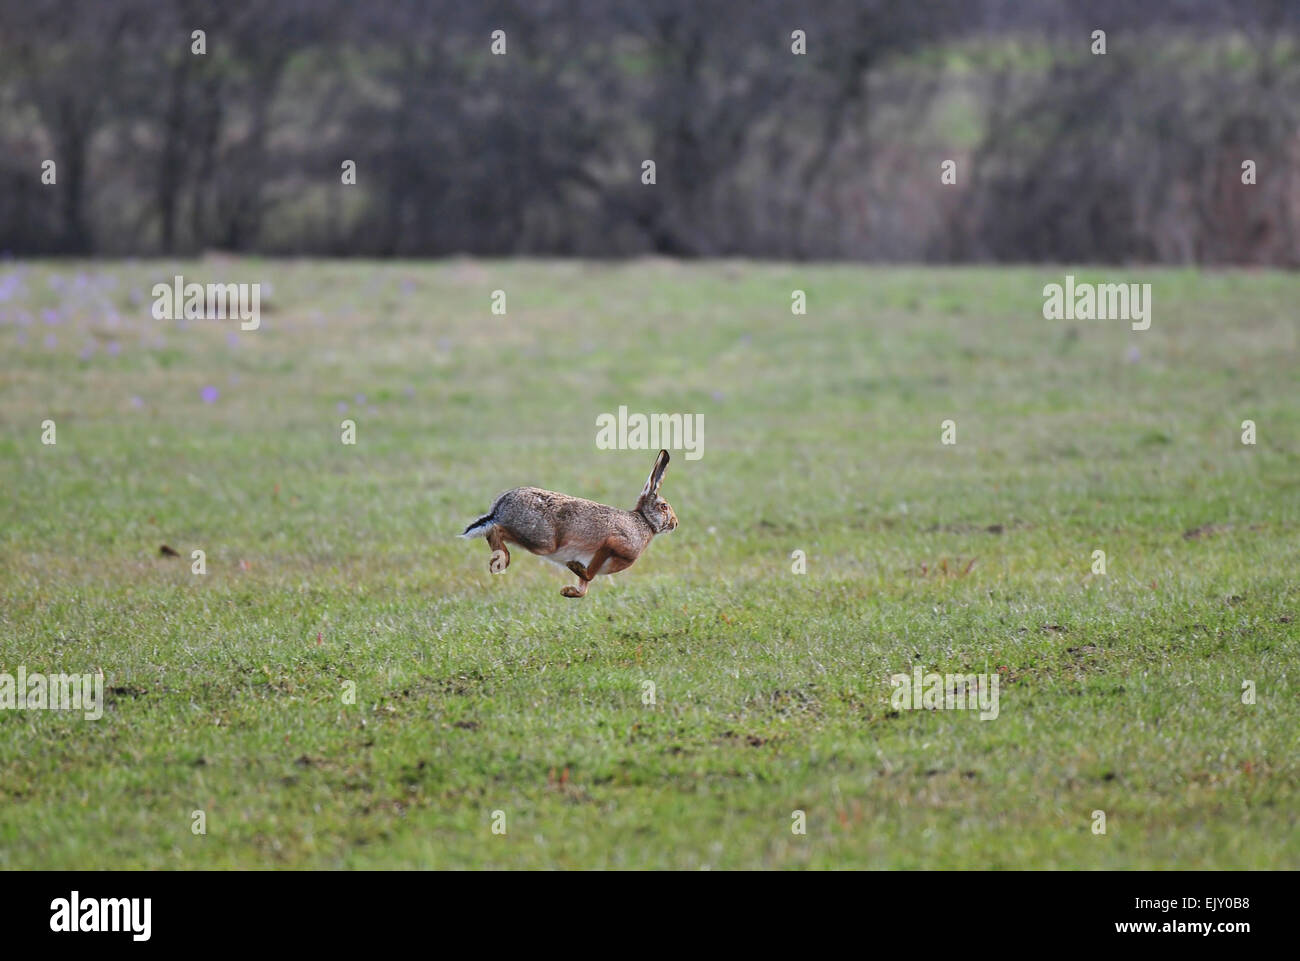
{"x":329,"y":564}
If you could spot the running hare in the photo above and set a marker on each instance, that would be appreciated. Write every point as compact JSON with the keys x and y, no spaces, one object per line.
{"x":586,"y":537}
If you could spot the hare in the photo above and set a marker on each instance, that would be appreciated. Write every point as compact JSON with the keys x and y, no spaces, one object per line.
{"x":586,"y":537}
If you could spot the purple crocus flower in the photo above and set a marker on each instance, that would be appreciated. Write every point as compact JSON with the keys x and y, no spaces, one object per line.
{"x":209,"y":394}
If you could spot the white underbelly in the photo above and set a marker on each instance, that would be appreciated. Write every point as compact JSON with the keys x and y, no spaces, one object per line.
{"x":568,"y":553}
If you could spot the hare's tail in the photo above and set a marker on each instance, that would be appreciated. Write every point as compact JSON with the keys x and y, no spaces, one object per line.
{"x":479,"y":527}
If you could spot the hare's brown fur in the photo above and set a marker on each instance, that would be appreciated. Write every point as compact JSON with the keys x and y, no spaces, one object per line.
{"x":583,"y":536}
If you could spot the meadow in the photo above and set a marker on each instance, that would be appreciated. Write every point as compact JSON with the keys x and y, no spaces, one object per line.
{"x":334,"y":569}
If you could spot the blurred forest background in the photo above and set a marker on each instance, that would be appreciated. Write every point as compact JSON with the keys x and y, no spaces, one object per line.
{"x":1061,"y":155}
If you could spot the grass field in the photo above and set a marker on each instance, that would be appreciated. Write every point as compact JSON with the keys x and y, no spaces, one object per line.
{"x":329,"y":564}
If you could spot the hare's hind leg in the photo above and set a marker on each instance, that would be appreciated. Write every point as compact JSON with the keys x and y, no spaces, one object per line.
{"x":500,"y":558}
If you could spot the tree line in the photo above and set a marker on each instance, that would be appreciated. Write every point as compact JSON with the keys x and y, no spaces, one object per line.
{"x":931,"y":130}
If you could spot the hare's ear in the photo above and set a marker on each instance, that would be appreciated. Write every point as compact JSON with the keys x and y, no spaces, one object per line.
{"x":656,"y":474}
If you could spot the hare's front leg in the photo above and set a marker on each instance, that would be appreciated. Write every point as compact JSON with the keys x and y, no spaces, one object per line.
{"x":580,"y":591}
{"x":500,"y":558}
{"x":583,"y":579}
{"x":585,"y":574}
